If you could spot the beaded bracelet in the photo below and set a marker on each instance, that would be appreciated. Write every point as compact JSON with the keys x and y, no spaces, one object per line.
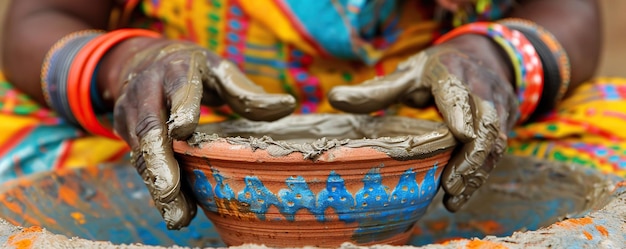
{"x":551,"y":70}
{"x":81,"y":75}
{"x":557,"y":50}
{"x":55,"y":70}
{"x":524,"y":58}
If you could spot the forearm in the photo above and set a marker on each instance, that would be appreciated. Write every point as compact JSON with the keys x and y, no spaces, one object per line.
{"x":575,"y":24}
{"x":33,"y":26}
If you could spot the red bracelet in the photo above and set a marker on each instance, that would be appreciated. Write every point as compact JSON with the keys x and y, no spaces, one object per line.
{"x":524,"y":58}
{"x":559,"y":53}
{"x":81,"y":72}
{"x":73,"y":79}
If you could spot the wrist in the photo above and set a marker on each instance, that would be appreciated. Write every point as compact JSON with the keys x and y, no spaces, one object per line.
{"x":524,"y":60}
{"x":110,"y":80}
{"x":484,"y":51}
{"x":71,"y":82}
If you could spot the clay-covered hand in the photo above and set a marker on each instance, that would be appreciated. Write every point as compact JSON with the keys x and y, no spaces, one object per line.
{"x":165,"y":82}
{"x":477,"y":105}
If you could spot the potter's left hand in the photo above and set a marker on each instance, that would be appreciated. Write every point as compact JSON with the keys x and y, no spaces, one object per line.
{"x":476,"y":104}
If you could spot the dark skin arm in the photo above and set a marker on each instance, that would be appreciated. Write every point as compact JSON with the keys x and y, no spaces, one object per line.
{"x":31,"y":35}
{"x":575,"y":23}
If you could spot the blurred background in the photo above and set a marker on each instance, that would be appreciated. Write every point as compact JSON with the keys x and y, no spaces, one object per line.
{"x":613,"y":61}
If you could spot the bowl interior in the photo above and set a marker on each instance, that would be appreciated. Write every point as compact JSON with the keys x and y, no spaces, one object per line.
{"x":398,"y":137}
{"x":311,"y":127}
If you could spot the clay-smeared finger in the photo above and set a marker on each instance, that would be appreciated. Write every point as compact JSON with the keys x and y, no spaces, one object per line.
{"x":183,"y":86}
{"x":454,"y":203}
{"x":453,"y":101}
{"x":463,"y":169}
{"x":162,"y":173}
{"x":381,"y":92}
{"x":247,"y":98}
{"x":155,"y":145}
{"x":161,"y":167}
{"x":178,"y":209}
{"x":475,"y":180}
{"x":152,"y":153}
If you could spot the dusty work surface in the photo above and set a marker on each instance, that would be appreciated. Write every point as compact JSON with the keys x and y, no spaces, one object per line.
{"x":110,"y":204}
{"x":602,"y":229}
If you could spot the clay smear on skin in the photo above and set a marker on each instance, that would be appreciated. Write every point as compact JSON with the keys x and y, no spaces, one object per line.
{"x":312,"y":135}
{"x":247,"y":98}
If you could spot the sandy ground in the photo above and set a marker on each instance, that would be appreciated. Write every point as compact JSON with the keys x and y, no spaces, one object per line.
{"x":613,"y":62}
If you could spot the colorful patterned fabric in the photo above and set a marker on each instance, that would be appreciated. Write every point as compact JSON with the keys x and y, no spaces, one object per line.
{"x":302,"y":47}
{"x":305,"y":48}
{"x":587,"y":129}
{"x":34,"y":139}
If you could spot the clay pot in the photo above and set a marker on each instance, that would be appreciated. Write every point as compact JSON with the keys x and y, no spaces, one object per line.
{"x":316,"y":180}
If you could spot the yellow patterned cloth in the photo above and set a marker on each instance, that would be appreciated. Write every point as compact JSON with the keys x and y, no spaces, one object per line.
{"x":587,"y":128}
{"x":34,"y":139}
{"x":301,"y":47}
{"x":305,"y":48}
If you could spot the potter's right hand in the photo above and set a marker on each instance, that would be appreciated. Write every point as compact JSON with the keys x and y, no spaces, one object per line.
{"x":162,"y":85}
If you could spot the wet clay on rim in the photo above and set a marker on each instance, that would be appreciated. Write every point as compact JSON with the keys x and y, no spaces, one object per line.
{"x":398,"y":137}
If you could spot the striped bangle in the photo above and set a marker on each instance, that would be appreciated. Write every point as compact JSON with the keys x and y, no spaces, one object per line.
{"x":558,"y":52}
{"x":551,"y":71}
{"x":524,"y":59}
{"x":68,"y":76}
{"x":81,"y":75}
{"x":55,"y":70}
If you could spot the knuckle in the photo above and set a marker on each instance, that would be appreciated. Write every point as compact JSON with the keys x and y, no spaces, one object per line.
{"x":147,"y":123}
{"x":144,"y":79}
{"x":175,"y":81}
{"x":139,"y":163}
{"x":475,"y":180}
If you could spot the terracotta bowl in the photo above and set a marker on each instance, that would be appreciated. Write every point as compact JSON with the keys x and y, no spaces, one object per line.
{"x":316,"y":180}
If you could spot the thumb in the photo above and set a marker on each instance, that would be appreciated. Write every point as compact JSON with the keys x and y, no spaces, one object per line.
{"x":247,"y":98}
{"x":381,"y":92}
